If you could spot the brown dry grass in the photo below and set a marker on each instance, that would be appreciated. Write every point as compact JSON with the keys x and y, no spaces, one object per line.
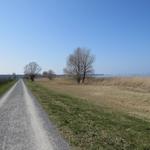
{"x":131,"y":95}
{"x":137,"y":83}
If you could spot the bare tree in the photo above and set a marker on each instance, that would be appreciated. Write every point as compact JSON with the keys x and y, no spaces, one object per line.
{"x":31,"y":70}
{"x":51,"y":74}
{"x":74,"y":67}
{"x":45,"y":74}
{"x":87,"y":63}
{"x":79,"y":64}
{"x":14,"y":76}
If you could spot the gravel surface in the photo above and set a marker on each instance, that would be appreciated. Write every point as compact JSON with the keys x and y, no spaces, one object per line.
{"x":24,"y":125}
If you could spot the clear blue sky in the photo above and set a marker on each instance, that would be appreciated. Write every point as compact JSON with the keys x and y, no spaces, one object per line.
{"x":47,"y":31}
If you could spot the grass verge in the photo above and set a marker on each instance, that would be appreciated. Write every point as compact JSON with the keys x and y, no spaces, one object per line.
{"x":90,"y":127}
{"x":5,"y":86}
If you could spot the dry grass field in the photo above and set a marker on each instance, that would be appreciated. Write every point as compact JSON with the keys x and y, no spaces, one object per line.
{"x":131,"y":95}
{"x":99,"y":115}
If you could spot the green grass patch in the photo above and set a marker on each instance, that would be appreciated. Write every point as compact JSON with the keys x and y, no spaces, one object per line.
{"x":90,"y":127}
{"x":4,"y":86}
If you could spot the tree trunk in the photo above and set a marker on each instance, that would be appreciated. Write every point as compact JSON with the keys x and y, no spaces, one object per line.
{"x":32,"y":77}
{"x":78,"y":79}
{"x":83,"y":79}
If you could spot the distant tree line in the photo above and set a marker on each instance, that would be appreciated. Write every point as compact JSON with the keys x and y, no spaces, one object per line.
{"x":7,"y":78}
{"x":49,"y":74}
{"x":79,"y":66}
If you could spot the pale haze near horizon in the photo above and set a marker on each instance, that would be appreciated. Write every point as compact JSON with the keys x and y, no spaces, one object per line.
{"x":117,"y":32}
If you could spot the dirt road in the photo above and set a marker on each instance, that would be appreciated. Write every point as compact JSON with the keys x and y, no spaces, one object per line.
{"x":24,"y":125}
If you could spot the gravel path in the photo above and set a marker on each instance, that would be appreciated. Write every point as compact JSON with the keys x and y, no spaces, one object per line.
{"x":24,"y":125}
